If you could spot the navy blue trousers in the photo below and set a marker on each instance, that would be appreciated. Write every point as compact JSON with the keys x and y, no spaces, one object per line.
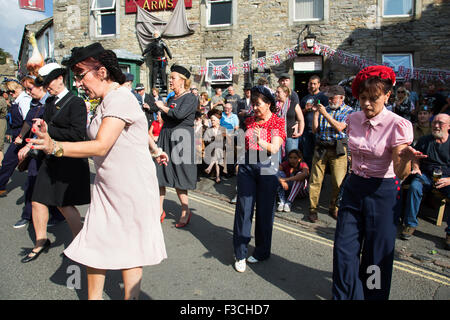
{"x":256,"y":186}
{"x":364,"y":244}
{"x":10,"y":160}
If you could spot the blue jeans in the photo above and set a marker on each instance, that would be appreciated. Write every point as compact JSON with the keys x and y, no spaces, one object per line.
{"x":291,"y":144}
{"x":420,"y":185}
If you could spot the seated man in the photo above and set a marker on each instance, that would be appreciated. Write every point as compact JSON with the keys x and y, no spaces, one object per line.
{"x":423,"y":125}
{"x":437,"y":148}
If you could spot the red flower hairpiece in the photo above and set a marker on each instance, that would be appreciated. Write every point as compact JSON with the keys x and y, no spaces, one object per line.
{"x":372,"y":71}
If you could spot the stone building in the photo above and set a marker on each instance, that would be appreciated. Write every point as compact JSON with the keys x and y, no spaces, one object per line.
{"x":407,"y":33}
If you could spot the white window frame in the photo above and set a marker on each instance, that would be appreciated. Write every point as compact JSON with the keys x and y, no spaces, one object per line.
{"x":406,"y":15}
{"x":208,"y":13}
{"x":210,"y":75}
{"x":308,"y":19}
{"x":410,"y":55}
{"x":96,"y":13}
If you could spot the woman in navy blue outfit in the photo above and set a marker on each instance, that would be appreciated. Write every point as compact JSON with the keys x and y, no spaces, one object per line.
{"x":257,"y":181}
{"x":37,"y":107}
{"x":19,"y":109}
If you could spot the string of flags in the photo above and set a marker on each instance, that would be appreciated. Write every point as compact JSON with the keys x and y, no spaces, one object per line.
{"x":340,"y":56}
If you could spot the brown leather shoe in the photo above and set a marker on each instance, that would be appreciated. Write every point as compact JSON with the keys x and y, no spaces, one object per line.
{"x":407,"y":232}
{"x":313,"y":217}
{"x":3,"y":193}
{"x":333,"y":213}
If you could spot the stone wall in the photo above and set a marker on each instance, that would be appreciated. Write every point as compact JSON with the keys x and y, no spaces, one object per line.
{"x":352,"y":26}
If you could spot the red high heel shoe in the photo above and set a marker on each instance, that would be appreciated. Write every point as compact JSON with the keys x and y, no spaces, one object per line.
{"x":181,"y":224}
{"x":163,"y":216}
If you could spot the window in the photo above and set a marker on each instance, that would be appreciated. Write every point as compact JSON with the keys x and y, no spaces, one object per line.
{"x":396,"y":60}
{"x":308,"y":10}
{"x":104,"y":14}
{"x":397,"y":8}
{"x":220,"y":12}
{"x":218,"y":70}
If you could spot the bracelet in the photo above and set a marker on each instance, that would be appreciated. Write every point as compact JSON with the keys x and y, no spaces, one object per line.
{"x":54,"y":147}
{"x":157,"y":153}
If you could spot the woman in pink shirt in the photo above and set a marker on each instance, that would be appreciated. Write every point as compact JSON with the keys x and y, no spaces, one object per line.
{"x":369,"y":213}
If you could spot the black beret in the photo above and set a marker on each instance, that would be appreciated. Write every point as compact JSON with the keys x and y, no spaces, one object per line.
{"x":265,"y":92}
{"x":181,"y":70}
{"x":82,"y":53}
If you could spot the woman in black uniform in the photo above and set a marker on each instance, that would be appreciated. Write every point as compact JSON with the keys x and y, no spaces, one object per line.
{"x":61,"y":182}
{"x":177,"y":140}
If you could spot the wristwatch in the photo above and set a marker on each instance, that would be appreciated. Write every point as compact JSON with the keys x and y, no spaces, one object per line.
{"x":58,"y":150}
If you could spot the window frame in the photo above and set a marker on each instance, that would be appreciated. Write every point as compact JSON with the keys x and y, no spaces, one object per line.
{"x":95,"y":18}
{"x":209,"y":78}
{"x":208,"y":13}
{"x":413,"y":13}
{"x":395,"y":68}
{"x":294,"y":3}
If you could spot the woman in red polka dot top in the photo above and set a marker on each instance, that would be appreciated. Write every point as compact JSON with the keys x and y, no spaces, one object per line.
{"x":256,"y":180}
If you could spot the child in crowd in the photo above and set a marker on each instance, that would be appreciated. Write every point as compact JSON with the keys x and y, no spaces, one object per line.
{"x":292,"y":176}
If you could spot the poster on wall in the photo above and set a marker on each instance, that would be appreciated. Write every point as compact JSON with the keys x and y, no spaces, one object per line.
{"x":37,"y":5}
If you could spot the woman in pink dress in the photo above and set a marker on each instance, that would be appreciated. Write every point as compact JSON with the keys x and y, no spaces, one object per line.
{"x":122,"y":230}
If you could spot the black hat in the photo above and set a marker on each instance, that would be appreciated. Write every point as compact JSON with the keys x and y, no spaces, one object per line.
{"x":48,"y":73}
{"x":247,"y":86}
{"x":140,"y":86}
{"x":265,"y":92}
{"x":284,"y":76}
{"x":181,"y":70}
{"x":335,"y":90}
{"x":82,"y":53}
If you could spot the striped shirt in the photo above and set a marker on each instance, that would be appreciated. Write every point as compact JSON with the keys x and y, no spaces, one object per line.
{"x":326,"y":131}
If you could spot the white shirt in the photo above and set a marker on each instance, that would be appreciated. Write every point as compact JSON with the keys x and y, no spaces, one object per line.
{"x":23,"y":101}
{"x":61,"y":95}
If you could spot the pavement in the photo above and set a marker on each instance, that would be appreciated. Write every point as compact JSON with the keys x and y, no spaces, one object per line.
{"x":424,"y":249}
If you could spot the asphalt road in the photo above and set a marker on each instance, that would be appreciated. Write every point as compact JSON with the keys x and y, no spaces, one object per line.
{"x":200,"y":259}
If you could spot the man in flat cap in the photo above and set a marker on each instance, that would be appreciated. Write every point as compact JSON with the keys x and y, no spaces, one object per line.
{"x":330,"y":148}
{"x":147,"y":102}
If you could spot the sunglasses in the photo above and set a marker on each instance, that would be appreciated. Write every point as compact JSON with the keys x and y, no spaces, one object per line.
{"x":11,"y":91}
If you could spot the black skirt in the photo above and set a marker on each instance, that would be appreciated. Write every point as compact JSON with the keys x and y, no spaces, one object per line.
{"x":63,"y":182}
{"x":181,"y":170}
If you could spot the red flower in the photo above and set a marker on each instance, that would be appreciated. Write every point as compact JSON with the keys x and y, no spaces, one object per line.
{"x":372,"y":71}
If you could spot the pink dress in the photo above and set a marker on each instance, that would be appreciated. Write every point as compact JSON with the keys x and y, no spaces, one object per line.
{"x":122,"y":227}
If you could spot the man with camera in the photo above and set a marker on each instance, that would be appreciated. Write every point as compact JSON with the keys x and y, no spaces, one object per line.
{"x":431,"y":172}
{"x":147,"y":103}
{"x":330,"y":148}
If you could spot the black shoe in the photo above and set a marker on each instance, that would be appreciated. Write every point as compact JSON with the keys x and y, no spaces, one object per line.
{"x":29,"y":258}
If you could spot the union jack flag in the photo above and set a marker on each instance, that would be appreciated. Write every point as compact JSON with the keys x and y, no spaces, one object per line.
{"x":232,"y":69}
{"x":217,"y":70}
{"x":291,"y":53}
{"x":246,"y":67}
{"x":203,"y":71}
{"x":261,"y":63}
{"x":276,"y":59}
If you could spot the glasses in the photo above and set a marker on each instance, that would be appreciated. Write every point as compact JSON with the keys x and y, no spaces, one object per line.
{"x":11,"y":91}
{"x":401,"y":91}
{"x":79,"y":77}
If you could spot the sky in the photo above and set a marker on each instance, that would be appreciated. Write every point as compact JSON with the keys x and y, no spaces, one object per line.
{"x":13,"y":20}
